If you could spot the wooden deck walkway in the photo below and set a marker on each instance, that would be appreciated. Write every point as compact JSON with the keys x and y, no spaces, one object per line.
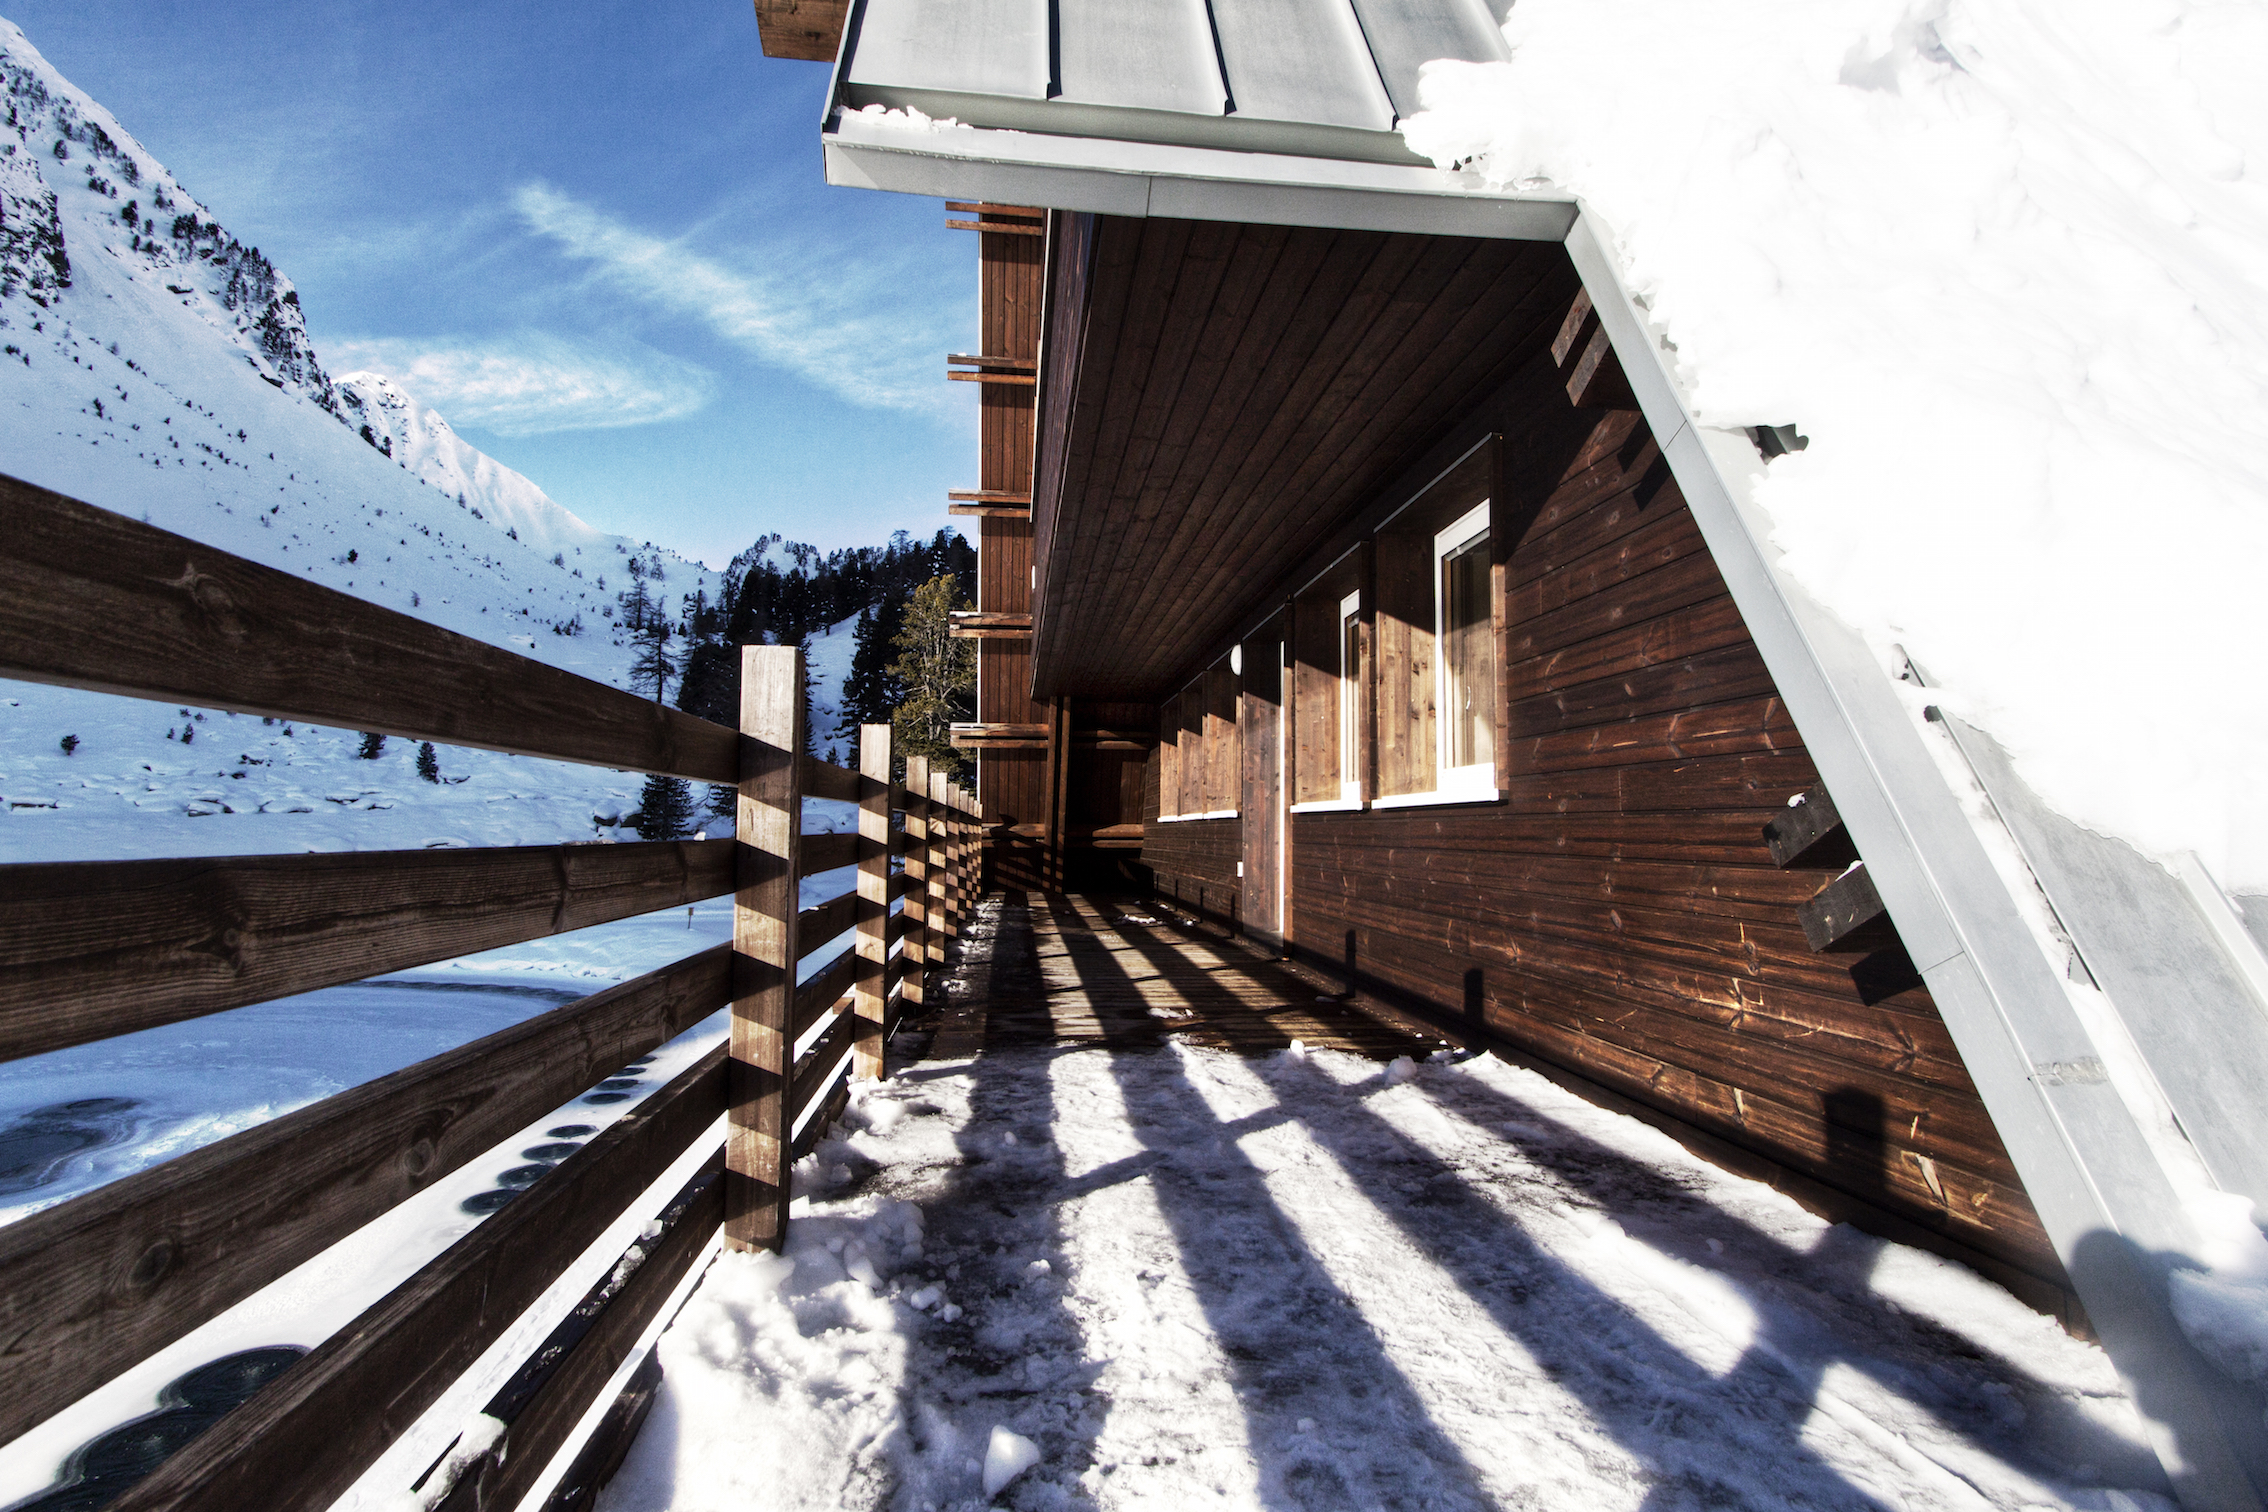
{"x":1051,"y":968}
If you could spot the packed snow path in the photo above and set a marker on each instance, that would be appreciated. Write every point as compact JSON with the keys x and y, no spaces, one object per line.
{"x":1309,"y":1278}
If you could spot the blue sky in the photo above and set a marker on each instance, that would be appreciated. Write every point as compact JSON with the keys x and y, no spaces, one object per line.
{"x":595,"y":236}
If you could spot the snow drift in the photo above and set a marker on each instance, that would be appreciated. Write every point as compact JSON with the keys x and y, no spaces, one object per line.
{"x":2006,"y":266}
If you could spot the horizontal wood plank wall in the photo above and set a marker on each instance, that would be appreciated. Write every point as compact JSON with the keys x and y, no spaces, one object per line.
{"x":1620,"y":916}
{"x":1012,"y":785}
{"x":1194,"y":863}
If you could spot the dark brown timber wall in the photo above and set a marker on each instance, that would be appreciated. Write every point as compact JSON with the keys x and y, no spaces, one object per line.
{"x":1194,"y":863}
{"x":1619,"y":915}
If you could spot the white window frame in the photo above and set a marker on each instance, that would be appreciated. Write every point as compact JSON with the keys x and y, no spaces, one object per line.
{"x":1350,"y":703}
{"x":1475,"y":779}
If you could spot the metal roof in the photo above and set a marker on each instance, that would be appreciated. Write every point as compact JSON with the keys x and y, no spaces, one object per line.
{"x":1328,"y":78}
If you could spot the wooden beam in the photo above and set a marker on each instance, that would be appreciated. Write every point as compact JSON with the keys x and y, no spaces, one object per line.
{"x":1847,"y":915}
{"x":979,"y":360}
{"x":90,"y":949}
{"x":545,"y":1401}
{"x":823,"y":779}
{"x":992,"y":511}
{"x":1027,"y":380}
{"x":91,"y":599}
{"x":1810,"y":834}
{"x":816,"y":998}
{"x":1597,"y":380}
{"x":94,"y":1285}
{"x":764,"y":943}
{"x":820,"y":853}
{"x":986,"y":207}
{"x":988,"y":496}
{"x":304,"y":1440}
{"x":810,"y":30}
{"x":1010,"y":228}
{"x":990,"y":624}
{"x":816,"y":1069}
{"x":870,"y":990}
{"x":609,"y":1444}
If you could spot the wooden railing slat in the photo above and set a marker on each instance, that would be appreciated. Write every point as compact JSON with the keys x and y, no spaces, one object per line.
{"x":821,"y":923}
{"x":816,"y":1069}
{"x":97,"y":948}
{"x":304,"y":1440}
{"x":822,"y":992}
{"x":544,"y":1404}
{"x":92,"y":599}
{"x":825,"y":853}
{"x":823,"y":779}
{"x":94,"y":1285}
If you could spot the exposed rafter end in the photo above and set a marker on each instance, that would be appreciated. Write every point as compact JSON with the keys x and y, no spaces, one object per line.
{"x":1585,"y":357}
{"x":999,"y":737}
{"x":1847,"y":916}
{"x":984,"y":624}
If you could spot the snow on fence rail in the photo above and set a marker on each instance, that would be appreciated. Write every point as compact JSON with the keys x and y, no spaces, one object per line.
{"x":93,"y":1286}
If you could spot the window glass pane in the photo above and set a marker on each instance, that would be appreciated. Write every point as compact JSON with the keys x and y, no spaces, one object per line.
{"x":1467,"y":660}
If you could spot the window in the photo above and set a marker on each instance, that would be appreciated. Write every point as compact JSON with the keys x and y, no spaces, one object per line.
{"x":1327,"y":756}
{"x":1464,"y":637}
{"x":1197,"y":749}
{"x":1432,"y":627}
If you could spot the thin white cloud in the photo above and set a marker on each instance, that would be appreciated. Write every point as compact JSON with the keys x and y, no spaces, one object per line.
{"x":844,"y":326}
{"x":532,"y":384}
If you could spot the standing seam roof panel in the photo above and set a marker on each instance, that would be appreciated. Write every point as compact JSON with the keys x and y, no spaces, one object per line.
{"x":1301,"y":60}
{"x":1140,"y":54}
{"x":986,"y":47}
{"x":1407,"y":34}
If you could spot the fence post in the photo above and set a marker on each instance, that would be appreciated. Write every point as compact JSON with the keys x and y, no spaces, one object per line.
{"x":769,"y":833}
{"x":868,"y":987}
{"x":917,"y":879}
{"x":940,"y":902}
{"x":964,"y":890}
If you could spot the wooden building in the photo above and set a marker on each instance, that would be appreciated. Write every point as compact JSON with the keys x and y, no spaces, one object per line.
{"x":1352,"y":557}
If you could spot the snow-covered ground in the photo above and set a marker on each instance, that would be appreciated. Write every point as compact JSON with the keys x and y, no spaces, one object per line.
{"x":1191,"y":1279}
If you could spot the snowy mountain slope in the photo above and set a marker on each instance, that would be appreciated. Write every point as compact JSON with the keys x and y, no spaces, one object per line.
{"x":156,"y":366}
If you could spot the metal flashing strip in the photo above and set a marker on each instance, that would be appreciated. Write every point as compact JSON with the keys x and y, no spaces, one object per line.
{"x":1136,"y":178}
{"x":2144,"y":936}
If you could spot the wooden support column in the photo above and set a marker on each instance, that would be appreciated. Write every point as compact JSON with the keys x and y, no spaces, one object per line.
{"x":868,"y":997}
{"x":769,"y":840}
{"x":917,"y":880}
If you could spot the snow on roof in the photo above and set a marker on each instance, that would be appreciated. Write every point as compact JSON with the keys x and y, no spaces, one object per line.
{"x":2005,"y":264}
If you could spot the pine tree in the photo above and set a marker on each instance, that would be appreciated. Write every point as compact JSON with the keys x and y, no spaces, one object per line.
{"x":724,"y":799}
{"x":710,"y":688}
{"x":665,"y":808}
{"x":654,"y":666}
{"x":428,"y":764}
{"x":372,"y":744}
{"x":937,"y":676}
{"x":870,"y":692}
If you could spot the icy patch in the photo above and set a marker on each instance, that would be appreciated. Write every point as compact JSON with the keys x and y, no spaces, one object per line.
{"x":1008,"y":1455}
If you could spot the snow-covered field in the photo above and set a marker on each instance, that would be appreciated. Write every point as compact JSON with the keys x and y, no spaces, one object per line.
{"x":1184,"y":1278}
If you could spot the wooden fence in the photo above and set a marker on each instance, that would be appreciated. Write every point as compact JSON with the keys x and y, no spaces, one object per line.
{"x":95,"y":1285}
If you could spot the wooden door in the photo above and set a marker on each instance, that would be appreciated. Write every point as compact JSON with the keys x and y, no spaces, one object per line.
{"x":1260,"y":787}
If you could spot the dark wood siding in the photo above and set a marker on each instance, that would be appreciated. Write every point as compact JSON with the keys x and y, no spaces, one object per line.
{"x":1619,"y":915}
{"x":1194,"y":863}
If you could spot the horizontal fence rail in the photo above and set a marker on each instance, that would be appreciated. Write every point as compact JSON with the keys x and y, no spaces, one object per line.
{"x":97,"y":948}
{"x":91,"y":599}
{"x":94,"y":1285}
{"x":304,"y":1440}
{"x":88,"y":950}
